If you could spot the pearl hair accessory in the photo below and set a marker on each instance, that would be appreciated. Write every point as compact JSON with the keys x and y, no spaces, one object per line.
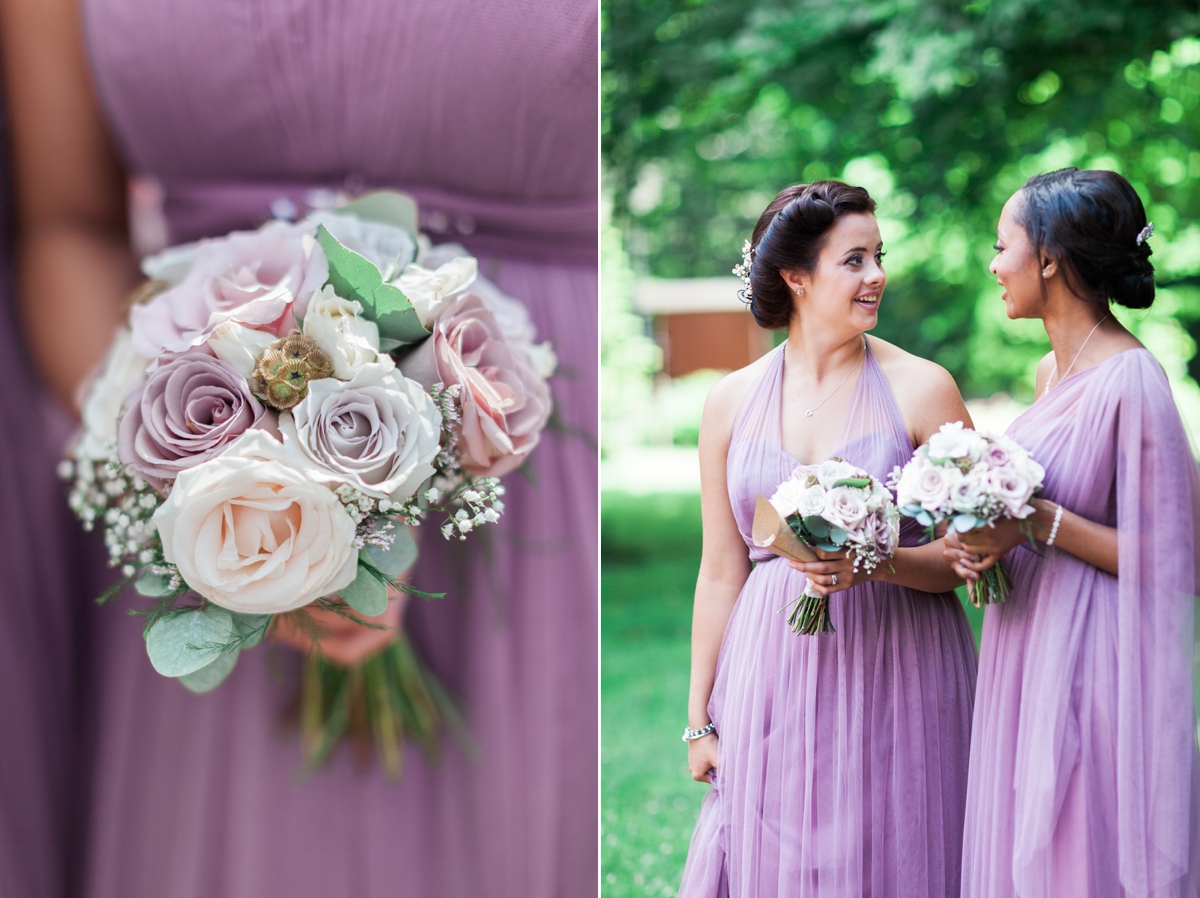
{"x":743,"y":271}
{"x":1145,"y":233}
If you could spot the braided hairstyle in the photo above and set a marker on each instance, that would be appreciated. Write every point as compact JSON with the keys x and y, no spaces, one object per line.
{"x":789,"y":236}
{"x":1092,"y":222}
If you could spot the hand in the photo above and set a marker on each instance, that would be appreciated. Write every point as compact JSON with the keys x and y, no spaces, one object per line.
{"x":833,"y":573}
{"x":977,"y":550}
{"x":340,"y":639}
{"x":703,"y":756}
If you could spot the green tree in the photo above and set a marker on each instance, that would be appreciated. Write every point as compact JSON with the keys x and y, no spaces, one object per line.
{"x":941,"y":109}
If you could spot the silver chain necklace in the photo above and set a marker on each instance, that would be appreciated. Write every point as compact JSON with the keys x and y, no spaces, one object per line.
{"x":808,"y":412}
{"x":1074,"y":360}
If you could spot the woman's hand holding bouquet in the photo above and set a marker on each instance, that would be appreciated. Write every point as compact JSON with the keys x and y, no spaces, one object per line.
{"x":982,"y":486}
{"x":286,"y":405}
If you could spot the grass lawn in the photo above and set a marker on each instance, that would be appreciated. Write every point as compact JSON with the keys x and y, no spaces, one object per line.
{"x":650,"y":552}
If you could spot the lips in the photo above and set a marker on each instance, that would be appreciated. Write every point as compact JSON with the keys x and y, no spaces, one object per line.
{"x":870,"y":302}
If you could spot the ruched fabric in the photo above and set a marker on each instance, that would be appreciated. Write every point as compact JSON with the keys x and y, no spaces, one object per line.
{"x":1085,"y":778}
{"x":235,"y":112}
{"x":843,"y":757}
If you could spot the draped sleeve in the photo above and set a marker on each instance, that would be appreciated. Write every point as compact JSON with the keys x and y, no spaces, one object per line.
{"x":1158,"y":497}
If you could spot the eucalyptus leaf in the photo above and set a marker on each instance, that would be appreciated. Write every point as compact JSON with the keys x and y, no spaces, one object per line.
{"x":354,"y":277}
{"x":828,"y":547}
{"x":397,"y":559}
{"x":965,"y":522}
{"x":367,"y":594}
{"x":211,"y":675}
{"x":817,"y":526}
{"x":837,"y":535}
{"x":858,"y":482}
{"x":185,"y":641}
{"x":388,"y":206}
{"x":153,"y":585}
{"x":254,"y":624}
{"x":911,"y":510}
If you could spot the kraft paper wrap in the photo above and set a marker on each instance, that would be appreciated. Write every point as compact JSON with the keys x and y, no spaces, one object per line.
{"x":771,"y":532}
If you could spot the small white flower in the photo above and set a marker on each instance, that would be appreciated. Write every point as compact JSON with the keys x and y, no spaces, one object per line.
{"x":955,"y":441}
{"x":238,"y":346}
{"x":431,"y":494}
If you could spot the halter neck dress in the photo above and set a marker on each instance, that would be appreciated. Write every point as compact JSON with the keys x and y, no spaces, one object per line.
{"x":1085,"y":778}
{"x":843,"y":757}
{"x":229,"y":112}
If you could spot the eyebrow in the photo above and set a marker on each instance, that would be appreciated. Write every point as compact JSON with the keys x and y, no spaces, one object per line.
{"x":860,"y":249}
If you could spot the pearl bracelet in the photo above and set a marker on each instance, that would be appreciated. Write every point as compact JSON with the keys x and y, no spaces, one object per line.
{"x":690,"y":735}
{"x":1058,"y":513}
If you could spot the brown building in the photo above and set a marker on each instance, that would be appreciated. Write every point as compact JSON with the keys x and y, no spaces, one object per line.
{"x":701,"y":323}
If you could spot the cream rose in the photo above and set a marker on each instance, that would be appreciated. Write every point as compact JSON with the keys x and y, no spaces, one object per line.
{"x":429,"y":291}
{"x":1011,"y":489}
{"x":122,"y":371}
{"x":953,"y":441}
{"x":931,"y":487}
{"x":811,"y":501}
{"x":831,"y":471}
{"x":252,"y":534}
{"x":378,"y":432}
{"x":337,"y":326}
{"x":239,"y":347}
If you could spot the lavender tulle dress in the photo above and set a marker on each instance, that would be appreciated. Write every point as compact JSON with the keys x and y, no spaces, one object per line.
{"x":843,"y":757}
{"x":487,"y":113}
{"x":1085,"y":778}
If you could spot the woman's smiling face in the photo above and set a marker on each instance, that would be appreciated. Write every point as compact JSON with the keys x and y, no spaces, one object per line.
{"x":1017,"y":268}
{"x":847,"y":285}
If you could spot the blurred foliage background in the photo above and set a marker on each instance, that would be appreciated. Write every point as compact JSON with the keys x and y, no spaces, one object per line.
{"x":942,"y":110}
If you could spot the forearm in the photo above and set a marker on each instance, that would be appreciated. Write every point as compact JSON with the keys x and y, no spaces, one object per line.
{"x":1088,"y":541}
{"x":72,"y":280}
{"x":920,"y":567}
{"x":714,"y":603}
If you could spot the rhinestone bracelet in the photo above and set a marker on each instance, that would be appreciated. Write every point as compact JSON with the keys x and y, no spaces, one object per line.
{"x":690,"y":734}
{"x":1054,"y":527}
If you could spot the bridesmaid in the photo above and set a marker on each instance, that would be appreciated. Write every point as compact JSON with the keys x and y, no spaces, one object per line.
{"x":838,"y":762}
{"x":1084,"y":775}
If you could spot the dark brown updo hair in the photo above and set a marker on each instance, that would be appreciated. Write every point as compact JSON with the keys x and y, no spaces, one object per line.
{"x":789,"y":236}
{"x":1090,"y":221}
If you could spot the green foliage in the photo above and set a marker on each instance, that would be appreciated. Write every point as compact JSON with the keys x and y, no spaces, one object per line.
{"x":183,"y":641}
{"x":942,"y":109}
{"x":368,"y":593}
{"x":397,"y":558}
{"x":354,"y":277}
{"x":212,"y":674}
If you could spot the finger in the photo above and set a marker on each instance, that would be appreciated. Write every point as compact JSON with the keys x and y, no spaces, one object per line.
{"x":820,"y":567}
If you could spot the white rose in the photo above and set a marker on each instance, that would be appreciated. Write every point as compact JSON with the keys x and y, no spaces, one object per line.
{"x":811,"y":501}
{"x":931,"y":487}
{"x":968,"y":494}
{"x":429,"y":291}
{"x":787,"y":497}
{"x":1012,"y":490}
{"x":252,"y":534}
{"x":123,"y":369}
{"x":830,"y":472}
{"x":1024,"y":466}
{"x":385,"y":246}
{"x":378,"y":432}
{"x":337,"y":326}
{"x":239,"y":347}
{"x":955,"y":441}
{"x":845,"y":508}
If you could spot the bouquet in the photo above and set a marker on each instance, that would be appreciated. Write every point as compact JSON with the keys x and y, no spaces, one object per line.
{"x":284,"y":407}
{"x":971,"y":480}
{"x":835,"y":507}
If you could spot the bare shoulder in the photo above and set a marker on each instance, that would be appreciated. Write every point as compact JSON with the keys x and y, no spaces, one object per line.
{"x":926,"y":392}
{"x":725,"y":397}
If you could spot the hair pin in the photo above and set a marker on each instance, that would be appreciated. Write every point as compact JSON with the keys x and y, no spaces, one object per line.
{"x":743,"y":271}
{"x":1145,"y":233}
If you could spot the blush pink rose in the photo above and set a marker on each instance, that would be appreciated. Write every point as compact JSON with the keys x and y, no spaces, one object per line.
{"x":260,"y":279}
{"x":505,"y":405}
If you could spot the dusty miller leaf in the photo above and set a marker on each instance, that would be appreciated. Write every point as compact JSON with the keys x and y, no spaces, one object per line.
{"x":367,"y":594}
{"x":185,"y":641}
{"x":212,"y":674}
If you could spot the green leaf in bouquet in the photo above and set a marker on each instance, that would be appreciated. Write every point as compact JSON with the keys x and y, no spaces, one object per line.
{"x":856,"y":482}
{"x":399,"y":558}
{"x":354,"y":277}
{"x":912,"y":510}
{"x":154,"y":585}
{"x":965,"y":522}
{"x":817,"y":526}
{"x":250,"y":628}
{"x":924,"y":518}
{"x":387,"y":206}
{"x":368,"y":593}
{"x":212,"y":674}
{"x":181,"y":642}
{"x":837,"y":536}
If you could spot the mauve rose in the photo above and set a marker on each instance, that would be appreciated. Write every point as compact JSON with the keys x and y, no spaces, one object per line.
{"x":504,"y":403}
{"x":261,"y":279}
{"x":184,"y":412}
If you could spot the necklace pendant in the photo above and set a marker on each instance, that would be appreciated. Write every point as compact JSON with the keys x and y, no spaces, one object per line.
{"x":808,"y":413}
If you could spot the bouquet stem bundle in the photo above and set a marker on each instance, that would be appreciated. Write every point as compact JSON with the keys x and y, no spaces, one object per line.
{"x":991,"y":588}
{"x":389,"y":698}
{"x":810,"y":617}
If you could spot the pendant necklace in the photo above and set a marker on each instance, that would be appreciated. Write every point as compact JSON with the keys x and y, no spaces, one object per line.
{"x":808,"y":412}
{"x":1074,"y":360}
